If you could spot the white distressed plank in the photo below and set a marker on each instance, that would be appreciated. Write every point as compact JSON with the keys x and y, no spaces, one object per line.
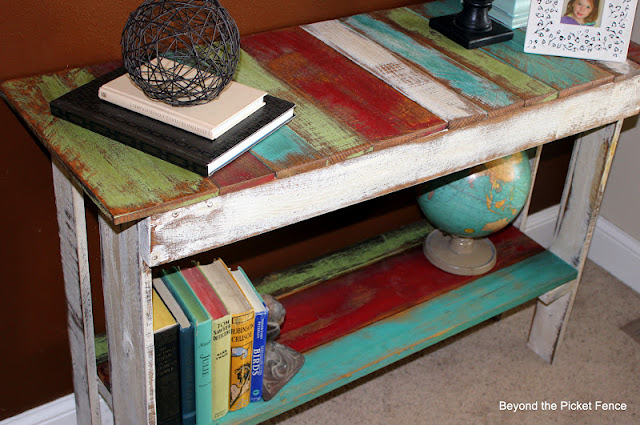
{"x":77,"y":285}
{"x":129,"y":315}
{"x":521,"y":221}
{"x":225,"y":219}
{"x":586,"y":180}
{"x":414,"y":84}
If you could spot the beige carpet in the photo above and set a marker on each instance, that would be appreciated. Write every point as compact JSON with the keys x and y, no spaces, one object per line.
{"x":463,"y":380}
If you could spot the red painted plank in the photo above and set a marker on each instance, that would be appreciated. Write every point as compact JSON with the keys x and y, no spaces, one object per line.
{"x":346,"y":91}
{"x":242,"y":173}
{"x":634,"y":52}
{"x":339,"y":306}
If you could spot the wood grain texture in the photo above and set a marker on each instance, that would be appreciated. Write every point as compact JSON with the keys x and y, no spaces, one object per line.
{"x":77,"y":285}
{"x":242,"y":173}
{"x":125,"y":183}
{"x":586,"y":180}
{"x":226,"y":219}
{"x":344,"y":360}
{"x":339,"y":306}
{"x":411,"y":82}
{"x":524,"y":86}
{"x":343,"y":261}
{"x":564,"y":74}
{"x":490,"y":96}
{"x":127,"y":292}
{"x":347,"y":92}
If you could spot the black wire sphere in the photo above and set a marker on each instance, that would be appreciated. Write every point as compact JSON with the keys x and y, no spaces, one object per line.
{"x":182,"y":52}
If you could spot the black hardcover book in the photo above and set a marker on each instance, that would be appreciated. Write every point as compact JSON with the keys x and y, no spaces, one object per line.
{"x":83,"y":107}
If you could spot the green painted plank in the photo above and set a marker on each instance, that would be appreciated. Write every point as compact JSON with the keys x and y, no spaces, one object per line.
{"x":344,"y":261}
{"x":547,"y":69}
{"x":501,"y":73}
{"x":125,"y":183}
{"x":382,"y":343}
{"x":467,"y":83}
{"x":323,"y":133}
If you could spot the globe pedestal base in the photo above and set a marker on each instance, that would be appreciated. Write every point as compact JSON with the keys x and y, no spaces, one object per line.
{"x":461,"y":256}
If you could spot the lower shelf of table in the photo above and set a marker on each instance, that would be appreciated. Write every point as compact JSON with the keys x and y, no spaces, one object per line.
{"x":354,"y":355}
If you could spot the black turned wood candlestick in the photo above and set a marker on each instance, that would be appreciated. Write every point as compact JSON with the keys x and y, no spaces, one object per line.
{"x":472,"y":27}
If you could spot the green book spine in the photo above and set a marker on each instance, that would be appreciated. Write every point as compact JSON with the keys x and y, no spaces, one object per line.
{"x":221,"y":347}
{"x":201,"y":321}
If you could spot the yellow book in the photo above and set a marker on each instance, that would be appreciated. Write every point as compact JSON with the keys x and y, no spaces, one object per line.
{"x":242,"y":323}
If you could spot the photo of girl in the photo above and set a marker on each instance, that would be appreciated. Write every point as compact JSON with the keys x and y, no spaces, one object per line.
{"x":581,"y":12}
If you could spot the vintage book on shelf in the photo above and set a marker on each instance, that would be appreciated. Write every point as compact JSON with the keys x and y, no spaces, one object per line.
{"x":83,"y":107}
{"x":220,"y":339}
{"x":242,"y":322}
{"x":261,"y":314}
{"x":210,"y":120}
{"x":166,"y":354}
{"x":186,"y":353}
{"x":201,"y":322}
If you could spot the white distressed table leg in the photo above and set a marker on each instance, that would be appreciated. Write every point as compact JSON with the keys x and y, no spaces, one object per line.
{"x":521,"y":221}
{"x":77,"y":286}
{"x":128,"y":310}
{"x":586,"y":180}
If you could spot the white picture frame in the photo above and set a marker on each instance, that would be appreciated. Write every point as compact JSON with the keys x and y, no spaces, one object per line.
{"x":602,"y":37}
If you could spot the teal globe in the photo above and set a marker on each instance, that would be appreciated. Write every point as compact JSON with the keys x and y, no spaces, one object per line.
{"x":479,"y":201}
{"x":467,"y":206}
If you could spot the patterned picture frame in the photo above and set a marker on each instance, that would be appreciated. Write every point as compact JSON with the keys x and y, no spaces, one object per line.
{"x":587,"y":29}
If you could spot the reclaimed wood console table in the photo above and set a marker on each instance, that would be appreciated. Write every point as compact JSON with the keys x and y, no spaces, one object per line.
{"x":383,"y":103}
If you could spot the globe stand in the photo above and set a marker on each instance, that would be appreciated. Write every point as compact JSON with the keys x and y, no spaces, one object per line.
{"x":458,"y":255}
{"x":472,"y":27}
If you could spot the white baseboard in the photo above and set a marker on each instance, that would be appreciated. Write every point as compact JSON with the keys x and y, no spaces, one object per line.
{"x":611,"y":249}
{"x":58,"y":412}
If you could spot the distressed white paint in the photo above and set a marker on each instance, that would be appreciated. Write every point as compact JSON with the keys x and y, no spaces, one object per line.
{"x":128,"y":310}
{"x":586,"y":180}
{"x":521,"y":221}
{"x":235,"y":216}
{"x":77,"y":285}
{"x":414,"y":84}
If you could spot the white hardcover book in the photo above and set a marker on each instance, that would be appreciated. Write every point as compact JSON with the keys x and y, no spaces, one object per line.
{"x":236,"y":102}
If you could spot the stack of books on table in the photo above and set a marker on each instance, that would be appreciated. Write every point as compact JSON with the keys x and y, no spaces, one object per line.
{"x":210,"y":328}
{"x":201,"y":138}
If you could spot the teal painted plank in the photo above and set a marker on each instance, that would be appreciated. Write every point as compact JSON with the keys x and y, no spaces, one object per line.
{"x":526,"y":87}
{"x":459,"y":78}
{"x":286,"y":153}
{"x":382,"y":343}
{"x":547,"y":69}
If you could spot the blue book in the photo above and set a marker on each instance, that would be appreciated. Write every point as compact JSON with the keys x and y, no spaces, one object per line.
{"x":201,"y":322}
{"x":259,"y":331}
{"x":186,"y":353}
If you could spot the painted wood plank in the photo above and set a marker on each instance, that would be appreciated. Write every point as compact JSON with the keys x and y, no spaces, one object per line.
{"x":526,"y":87}
{"x":344,"y":360}
{"x":493,"y":98}
{"x":349,"y":93}
{"x":619,"y":70}
{"x":634,"y":52}
{"x":312,"y":125}
{"x":547,"y":69}
{"x":281,"y":202}
{"x":77,"y":286}
{"x":339,"y":306}
{"x":586,"y":181}
{"x":126,"y":284}
{"x":125,"y":183}
{"x":411,"y":82}
{"x":343,"y":261}
{"x":287,"y":153}
{"x":244,"y":172}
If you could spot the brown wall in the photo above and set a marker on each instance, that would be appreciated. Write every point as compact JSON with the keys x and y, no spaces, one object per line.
{"x":44,"y":36}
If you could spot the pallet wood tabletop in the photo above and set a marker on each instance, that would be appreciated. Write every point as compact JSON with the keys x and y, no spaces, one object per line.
{"x":361,"y":84}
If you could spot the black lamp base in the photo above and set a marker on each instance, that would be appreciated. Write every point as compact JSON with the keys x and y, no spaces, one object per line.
{"x":470,"y":39}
